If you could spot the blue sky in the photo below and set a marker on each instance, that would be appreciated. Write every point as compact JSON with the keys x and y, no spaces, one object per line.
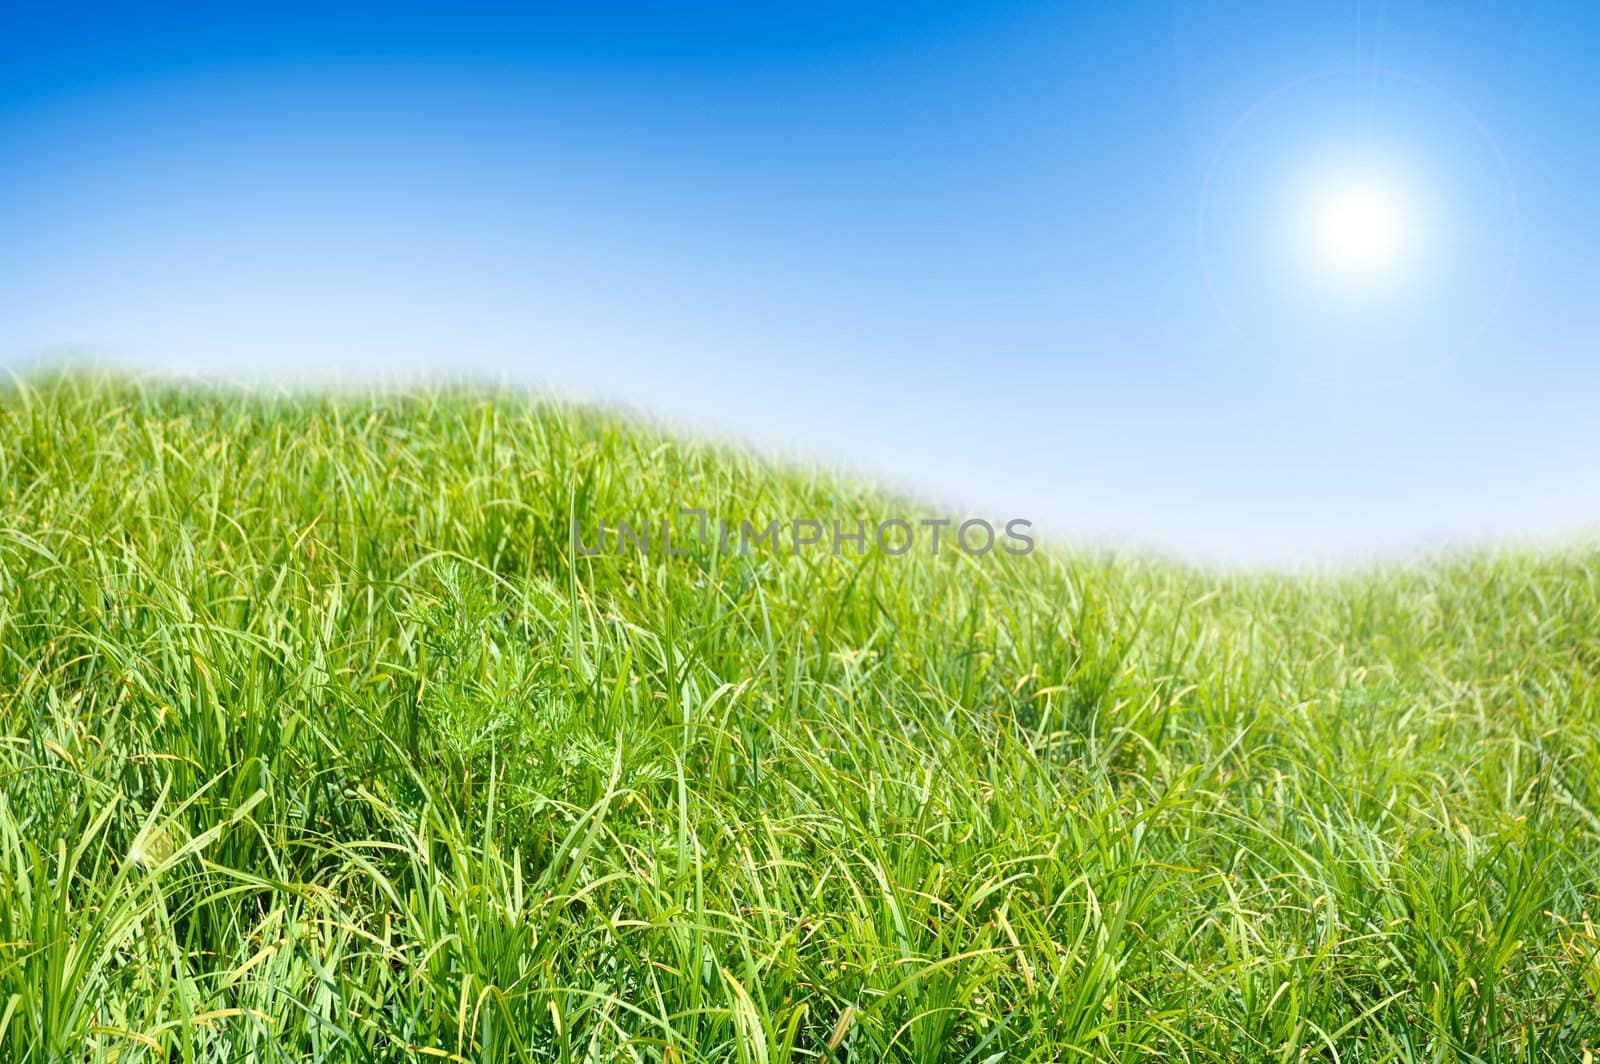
{"x":1036,"y":260}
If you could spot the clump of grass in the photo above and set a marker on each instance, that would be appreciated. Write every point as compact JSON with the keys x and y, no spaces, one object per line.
{"x":319,"y":743}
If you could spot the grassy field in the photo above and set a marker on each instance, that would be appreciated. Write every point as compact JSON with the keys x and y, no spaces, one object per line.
{"x":320,"y":743}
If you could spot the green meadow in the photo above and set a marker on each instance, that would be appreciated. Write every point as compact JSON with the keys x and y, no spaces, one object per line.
{"x":319,"y":742}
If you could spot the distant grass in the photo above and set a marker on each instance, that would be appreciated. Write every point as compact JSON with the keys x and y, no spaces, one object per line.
{"x":318,"y":744}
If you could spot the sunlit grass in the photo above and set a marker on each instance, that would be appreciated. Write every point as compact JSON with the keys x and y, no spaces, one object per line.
{"x":319,"y":744}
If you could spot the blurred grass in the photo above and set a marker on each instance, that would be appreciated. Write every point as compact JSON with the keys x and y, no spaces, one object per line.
{"x":318,"y":744}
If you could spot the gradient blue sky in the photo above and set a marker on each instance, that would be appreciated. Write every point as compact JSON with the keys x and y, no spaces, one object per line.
{"x":1031,"y":259}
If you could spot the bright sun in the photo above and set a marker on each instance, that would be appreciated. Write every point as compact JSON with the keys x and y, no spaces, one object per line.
{"x":1358,"y":227}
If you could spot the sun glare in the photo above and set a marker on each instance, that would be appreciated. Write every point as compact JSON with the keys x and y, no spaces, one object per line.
{"x":1359,"y":228}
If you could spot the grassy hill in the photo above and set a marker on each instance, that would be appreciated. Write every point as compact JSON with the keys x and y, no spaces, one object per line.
{"x":319,"y":742}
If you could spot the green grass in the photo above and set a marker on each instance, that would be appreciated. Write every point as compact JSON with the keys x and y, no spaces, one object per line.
{"x":319,"y":744}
